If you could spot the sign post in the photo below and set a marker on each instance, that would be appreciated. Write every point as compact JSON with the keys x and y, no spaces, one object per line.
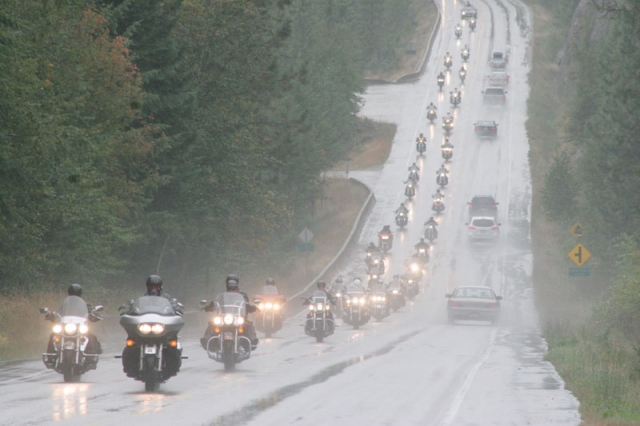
{"x":305,"y":236}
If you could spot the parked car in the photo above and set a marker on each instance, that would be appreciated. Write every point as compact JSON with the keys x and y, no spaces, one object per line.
{"x":498,"y":78}
{"x":486,"y":129}
{"x":483,"y":205}
{"x":483,"y":228}
{"x":498,"y":60}
{"x":495,"y":95}
{"x":473,"y":303}
{"x":468,"y":11}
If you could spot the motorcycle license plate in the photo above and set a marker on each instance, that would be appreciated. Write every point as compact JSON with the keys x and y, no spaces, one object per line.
{"x":69,"y":345}
{"x":150,"y":350}
{"x":227,"y":335}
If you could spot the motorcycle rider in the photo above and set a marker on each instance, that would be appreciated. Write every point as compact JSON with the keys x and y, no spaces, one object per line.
{"x":465,"y":50}
{"x":270,"y":287}
{"x":462,"y":72}
{"x":414,"y":168}
{"x":456,"y":94}
{"x":440,"y":77}
{"x":371,"y":250}
{"x":322,"y":286}
{"x":442,"y":169}
{"x":401,"y":209}
{"x":386,"y":230}
{"x":447,"y":58}
{"x":447,"y":144}
{"x":154,"y":288}
{"x":438,"y":196}
{"x":431,"y":222}
{"x":422,"y":245}
{"x":93,"y":345}
{"x":448,"y":118}
{"x":232,"y":285}
{"x":431,"y":106}
{"x":421,"y":138}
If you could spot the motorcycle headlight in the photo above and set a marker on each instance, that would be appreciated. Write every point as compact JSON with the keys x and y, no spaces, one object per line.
{"x":338,"y":294}
{"x":240,"y":320}
{"x":311,"y":307}
{"x":415,"y":267}
{"x":144,"y":328}
{"x":319,"y":306}
{"x":363,"y":300}
{"x":383,"y":299}
{"x":70,"y":328}
{"x":276,"y":307}
{"x":157,"y":328}
{"x":228,"y":319}
{"x":348,"y":301}
{"x":395,"y":291}
{"x":269,"y":305}
{"x":261,"y":306}
{"x":84,"y":328}
{"x":57,"y":328}
{"x":217,"y":320}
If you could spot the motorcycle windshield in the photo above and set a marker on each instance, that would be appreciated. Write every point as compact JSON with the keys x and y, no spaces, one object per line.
{"x":319,"y":297}
{"x":73,"y":306}
{"x":231,"y":303}
{"x":355,"y":289}
{"x":269,"y":289}
{"x":151,"y":305}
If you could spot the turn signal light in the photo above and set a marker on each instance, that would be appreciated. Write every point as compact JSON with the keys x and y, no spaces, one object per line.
{"x":240,"y":330}
{"x":173,"y":343}
{"x":130,"y":342}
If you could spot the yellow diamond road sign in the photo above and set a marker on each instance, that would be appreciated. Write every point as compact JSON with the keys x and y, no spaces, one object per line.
{"x":579,"y":254}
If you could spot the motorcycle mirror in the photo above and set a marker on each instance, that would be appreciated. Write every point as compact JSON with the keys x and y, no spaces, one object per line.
{"x":123,"y":306}
{"x":257,"y":301}
{"x":44,"y":310}
{"x":98,"y":308}
{"x":203,"y":302}
{"x":179,"y":305}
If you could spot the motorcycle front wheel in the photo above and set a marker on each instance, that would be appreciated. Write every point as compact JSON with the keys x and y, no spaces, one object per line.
{"x":151,"y":383}
{"x":68,"y":373}
{"x":228,"y":357}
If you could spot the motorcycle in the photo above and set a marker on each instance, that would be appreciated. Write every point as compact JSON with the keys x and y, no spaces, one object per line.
{"x":356,"y":311}
{"x":455,"y":98}
{"x":440,"y":83}
{"x":458,"y":31}
{"x":465,"y":55}
{"x":412,"y":289}
{"x":410,"y":190}
{"x":437,"y":206}
{"x":448,"y":62}
{"x":378,"y":306}
{"x":463,"y":75}
{"x":376,"y":265}
{"x":472,"y":24}
{"x":431,"y":233}
{"x":447,"y":124}
{"x":319,"y":323}
{"x":447,"y":152}
{"x":395,"y":296}
{"x":414,"y":177}
{"x":66,"y":353}
{"x":402,"y":219}
{"x":431,"y":114}
{"x":442,"y":179}
{"x":421,"y":145}
{"x":268,"y":319}
{"x":385,"y":241}
{"x":152,"y":353}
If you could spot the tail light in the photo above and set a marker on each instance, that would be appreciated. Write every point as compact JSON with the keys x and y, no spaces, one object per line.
{"x":492,"y":305}
{"x":455,"y":304}
{"x":471,"y":227}
{"x":494,"y":228}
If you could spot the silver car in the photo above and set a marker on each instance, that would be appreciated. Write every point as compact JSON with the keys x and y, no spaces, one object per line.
{"x":483,"y":228}
{"x":473,"y":303}
{"x":498,"y":78}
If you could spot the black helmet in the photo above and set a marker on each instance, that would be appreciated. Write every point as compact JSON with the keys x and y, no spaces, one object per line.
{"x":321,"y":284}
{"x":74,"y":290}
{"x":154,"y":281}
{"x":232,"y":282}
{"x":271,"y":281}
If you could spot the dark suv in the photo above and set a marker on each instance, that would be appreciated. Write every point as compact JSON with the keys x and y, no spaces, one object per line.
{"x":483,"y":205}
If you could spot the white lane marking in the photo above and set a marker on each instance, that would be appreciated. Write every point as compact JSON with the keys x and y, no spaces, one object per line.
{"x":457,"y":401}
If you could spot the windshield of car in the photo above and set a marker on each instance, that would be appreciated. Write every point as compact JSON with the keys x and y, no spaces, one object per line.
{"x":481,"y":293}
{"x":497,"y":55}
{"x":484,"y":201}
{"x":494,"y":91}
{"x":483,"y":223}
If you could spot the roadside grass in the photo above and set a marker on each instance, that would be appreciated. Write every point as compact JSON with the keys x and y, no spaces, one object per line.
{"x":601,"y":369}
{"x":373,"y":145}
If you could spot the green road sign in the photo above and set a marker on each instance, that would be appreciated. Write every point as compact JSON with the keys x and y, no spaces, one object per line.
{"x":579,"y":272}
